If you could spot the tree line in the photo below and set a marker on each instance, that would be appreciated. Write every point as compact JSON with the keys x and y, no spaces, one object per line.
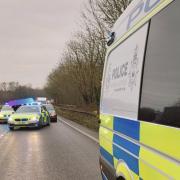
{"x":77,"y":78}
{"x":13,"y":90}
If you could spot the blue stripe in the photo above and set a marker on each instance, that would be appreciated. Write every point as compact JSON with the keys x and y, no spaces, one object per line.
{"x":104,"y":176}
{"x":107,"y":156}
{"x":133,"y":148}
{"x":130,"y":160}
{"x":127,"y":127}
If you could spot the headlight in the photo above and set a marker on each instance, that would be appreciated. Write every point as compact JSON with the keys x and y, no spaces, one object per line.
{"x":34,"y":119}
{"x":10,"y":120}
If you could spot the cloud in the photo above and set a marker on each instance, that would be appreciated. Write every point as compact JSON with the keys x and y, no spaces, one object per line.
{"x":32,"y":36}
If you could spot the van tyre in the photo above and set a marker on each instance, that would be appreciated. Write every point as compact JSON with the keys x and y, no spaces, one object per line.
{"x":121,"y":178}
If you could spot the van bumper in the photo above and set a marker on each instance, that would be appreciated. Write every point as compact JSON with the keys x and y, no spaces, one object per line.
{"x":107,"y":171}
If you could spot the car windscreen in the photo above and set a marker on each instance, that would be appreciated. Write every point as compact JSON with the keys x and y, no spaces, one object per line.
{"x":28,"y":109}
{"x":6,"y":108}
{"x":49,"y":107}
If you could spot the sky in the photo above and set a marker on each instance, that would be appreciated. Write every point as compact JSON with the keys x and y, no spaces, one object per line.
{"x":33,"y":34}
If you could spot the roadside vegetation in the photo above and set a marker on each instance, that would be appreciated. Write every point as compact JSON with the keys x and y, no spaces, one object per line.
{"x":85,"y":118}
{"x":77,"y":78}
{"x":13,"y":90}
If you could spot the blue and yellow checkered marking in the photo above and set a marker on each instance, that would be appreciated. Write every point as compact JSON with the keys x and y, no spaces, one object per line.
{"x":131,"y":147}
{"x":107,"y":156}
{"x":127,"y":127}
{"x":115,"y":147}
{"x":131,"y":161}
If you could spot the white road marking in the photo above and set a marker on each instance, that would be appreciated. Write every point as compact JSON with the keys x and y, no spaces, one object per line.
{"x":80,"y":131}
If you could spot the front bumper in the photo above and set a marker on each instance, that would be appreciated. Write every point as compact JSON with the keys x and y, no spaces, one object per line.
{"x":107,"y":171}
{"x":3,"y":120}
{"x":30,"y":125}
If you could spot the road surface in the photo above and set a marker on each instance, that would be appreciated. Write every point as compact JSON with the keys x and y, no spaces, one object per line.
{"x":57,"y":152}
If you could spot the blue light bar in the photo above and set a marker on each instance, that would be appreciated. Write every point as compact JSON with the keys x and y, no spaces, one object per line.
{"x":18,"y":102}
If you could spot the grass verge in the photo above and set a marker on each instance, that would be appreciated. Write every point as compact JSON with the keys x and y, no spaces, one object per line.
{"x":87,"y":120}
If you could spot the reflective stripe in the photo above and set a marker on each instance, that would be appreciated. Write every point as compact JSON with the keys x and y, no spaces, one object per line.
{"x":107,"y":120}
{"x":143,"y":163}
{"x":107,"y":145}
{"x":132,"y":162}
{"x":160,"y":137}
{"x":131,"y":147}
{"x":127,"y":127}
{"x":107,"y":156}
{"x":152,"y":167}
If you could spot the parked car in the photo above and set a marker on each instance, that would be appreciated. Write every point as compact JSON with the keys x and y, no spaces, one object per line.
{"x":52,"y":112}
{"x":5,"y":113}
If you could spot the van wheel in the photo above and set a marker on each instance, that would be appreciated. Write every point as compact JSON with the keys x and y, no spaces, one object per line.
{"x":121,"y":178}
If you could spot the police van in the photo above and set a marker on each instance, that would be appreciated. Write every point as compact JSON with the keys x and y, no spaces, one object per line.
{"x":140,"y":97}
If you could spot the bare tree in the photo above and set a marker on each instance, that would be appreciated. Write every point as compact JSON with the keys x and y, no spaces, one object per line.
{"x":77,"y":79}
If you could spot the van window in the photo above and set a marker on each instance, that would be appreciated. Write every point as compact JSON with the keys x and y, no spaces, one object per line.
{"x":160,"y":100}
{"x":121,"y":83}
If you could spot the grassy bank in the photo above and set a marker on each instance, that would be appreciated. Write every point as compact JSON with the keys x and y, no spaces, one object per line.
{"x":86,"y":119}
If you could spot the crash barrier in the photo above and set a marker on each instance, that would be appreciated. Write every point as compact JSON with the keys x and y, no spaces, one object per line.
{"x":88,"y":119}
{"x":72,"y":108}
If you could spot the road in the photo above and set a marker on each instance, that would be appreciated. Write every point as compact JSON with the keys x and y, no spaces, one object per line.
{"x":57,"y":152}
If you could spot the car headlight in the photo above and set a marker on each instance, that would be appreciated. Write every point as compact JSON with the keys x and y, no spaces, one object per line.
{"x":10,"y":120}
{"x":34,"y":119}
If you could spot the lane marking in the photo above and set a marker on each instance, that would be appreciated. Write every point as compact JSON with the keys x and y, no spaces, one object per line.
{"x":80,"y":131}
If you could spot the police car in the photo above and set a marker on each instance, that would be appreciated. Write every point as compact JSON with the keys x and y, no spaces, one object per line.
{"x":5,"y":113}
{"x":29,"y":116}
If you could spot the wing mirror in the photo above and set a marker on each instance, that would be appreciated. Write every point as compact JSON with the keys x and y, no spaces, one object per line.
{"x":111,"y":38}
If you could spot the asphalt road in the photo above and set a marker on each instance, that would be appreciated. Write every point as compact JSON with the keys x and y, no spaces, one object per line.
{"x":57,"y":152}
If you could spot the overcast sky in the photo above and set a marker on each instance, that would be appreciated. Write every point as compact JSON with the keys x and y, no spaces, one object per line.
{"x":33,"y":34}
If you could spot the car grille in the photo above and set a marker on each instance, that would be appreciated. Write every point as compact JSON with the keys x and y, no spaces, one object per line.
{"x":24,"y":119}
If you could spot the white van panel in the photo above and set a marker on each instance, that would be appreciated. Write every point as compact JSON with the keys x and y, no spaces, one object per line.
{"x":121,"y":84}
{"x":135,"y":12}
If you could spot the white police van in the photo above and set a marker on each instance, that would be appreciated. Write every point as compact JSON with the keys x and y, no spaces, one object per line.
{"x":140,"y":98}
